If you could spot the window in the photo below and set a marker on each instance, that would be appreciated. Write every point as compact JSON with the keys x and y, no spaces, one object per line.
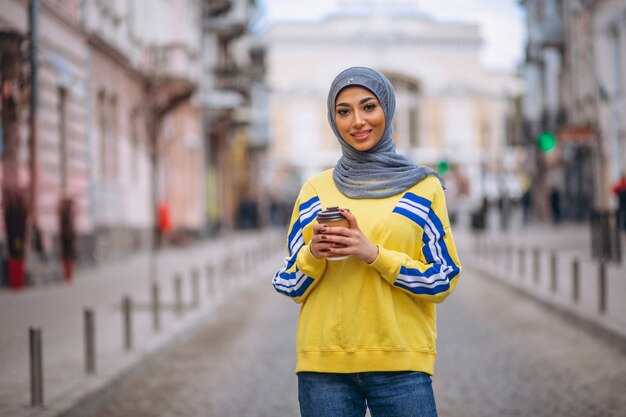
{"x":113,"y":146}
{"x":62,"y":134}
{"x":616,"y":56}
{"x":102,"y":133}
{"x":133,"y":136}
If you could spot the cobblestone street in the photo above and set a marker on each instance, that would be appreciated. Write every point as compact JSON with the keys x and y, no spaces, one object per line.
{"x":500,"y":354}
{"x":240,"y":364}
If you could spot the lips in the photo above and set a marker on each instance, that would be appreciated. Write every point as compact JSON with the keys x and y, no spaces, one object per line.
{"x":361,"y":135}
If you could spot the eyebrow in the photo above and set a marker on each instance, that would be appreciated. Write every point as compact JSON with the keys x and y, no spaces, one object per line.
{"x":363,"y":100}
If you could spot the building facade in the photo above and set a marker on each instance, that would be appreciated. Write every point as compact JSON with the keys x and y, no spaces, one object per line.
{"x":144,"y":108}
{"x":575,"y":73}
{"x":234,"y":103}
{"x":53,"y":119}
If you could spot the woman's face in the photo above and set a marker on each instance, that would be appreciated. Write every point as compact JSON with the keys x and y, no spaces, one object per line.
{"x":359,"y":117}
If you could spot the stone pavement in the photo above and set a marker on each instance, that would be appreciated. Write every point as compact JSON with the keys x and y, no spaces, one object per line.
{"x":500,"y":354}
{"x":553,"y":264}
{"x":223,"y":266}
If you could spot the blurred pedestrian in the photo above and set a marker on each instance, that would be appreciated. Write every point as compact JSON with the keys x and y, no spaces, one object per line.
{"x":504,"y":208}
{"x":555,"y":183}
{"x":555,"y":204}
{"x":619,"y":188}
{"x":526,"y":205}
{"x":479,"y":216}
{"x":367,"y":328}
{"x":67,"y":232}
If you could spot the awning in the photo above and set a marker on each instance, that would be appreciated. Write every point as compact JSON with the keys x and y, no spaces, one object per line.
{"x":576,"y":134}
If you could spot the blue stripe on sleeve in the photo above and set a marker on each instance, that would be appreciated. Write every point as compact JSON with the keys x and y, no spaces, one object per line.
{"x":436,"y":279}
{"x":295,"y":283}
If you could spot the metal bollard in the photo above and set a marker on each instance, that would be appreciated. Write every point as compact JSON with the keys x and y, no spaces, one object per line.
{"x":90,"y":341}
{"x":156,"y":307}
{"x":509,"y":257}
{"x":575,"y":279}
{"x":127,"y":307}
{"x":522,"y":262}
{"x":225,"y":274}
{"x":553,"y":271}
{"x":36,"y":367}
{"x":209,"y":279}
{"x":195,"y":287}
{"x":536,"y":267}
{"x":602,"y":288}
{"x":178,"y":295}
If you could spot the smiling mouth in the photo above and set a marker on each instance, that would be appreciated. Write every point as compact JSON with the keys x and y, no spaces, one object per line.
{"x":361,"y":135}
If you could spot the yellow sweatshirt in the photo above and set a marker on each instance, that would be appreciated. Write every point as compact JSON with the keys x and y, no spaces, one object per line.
{"x":356,"y":317}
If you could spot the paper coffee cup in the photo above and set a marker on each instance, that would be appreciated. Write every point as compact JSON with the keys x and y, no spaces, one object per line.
{"x":332,"y":217}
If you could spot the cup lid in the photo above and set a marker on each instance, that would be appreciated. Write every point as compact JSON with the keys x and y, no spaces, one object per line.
{"x":330,"y":214}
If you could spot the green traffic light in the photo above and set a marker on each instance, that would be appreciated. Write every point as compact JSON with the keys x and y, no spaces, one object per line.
{"x":443,"y":167}
{"x":546,"y":141}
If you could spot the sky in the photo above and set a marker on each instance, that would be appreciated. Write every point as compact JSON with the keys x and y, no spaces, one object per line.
{"x":502,"y":21}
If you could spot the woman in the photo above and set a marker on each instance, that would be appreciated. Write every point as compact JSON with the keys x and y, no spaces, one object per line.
{"x":366,"y":332}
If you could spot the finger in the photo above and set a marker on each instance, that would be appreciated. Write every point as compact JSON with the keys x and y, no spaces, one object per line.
{"x":323,"y":241}
{"x":351,"y":218}
{"x":330,"y":241}
{"x":337,"y":241}
{"x":333,"y":231}
{"x":318,"y":228}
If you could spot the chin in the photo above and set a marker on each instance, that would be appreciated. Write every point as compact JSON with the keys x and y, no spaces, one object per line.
{"x":362,"y":147}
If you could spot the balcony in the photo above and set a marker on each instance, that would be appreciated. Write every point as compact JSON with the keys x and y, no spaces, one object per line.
{"x":172,"y":71}
{"x":174,"y":61}
{"x":214,"y":8}
{"x":230,"y":77}
{"x":227,"y":27}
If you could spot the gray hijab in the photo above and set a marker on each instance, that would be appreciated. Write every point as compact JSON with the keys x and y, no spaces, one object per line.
{"x":378,"y":172}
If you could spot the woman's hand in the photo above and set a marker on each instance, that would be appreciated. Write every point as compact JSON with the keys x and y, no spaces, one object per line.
{"x":339,"y":241}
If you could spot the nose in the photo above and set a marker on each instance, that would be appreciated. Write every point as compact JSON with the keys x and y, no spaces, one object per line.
{"x":358,"y":121}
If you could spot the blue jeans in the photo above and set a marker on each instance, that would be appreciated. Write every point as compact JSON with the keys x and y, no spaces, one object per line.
{"x":387,"y":394}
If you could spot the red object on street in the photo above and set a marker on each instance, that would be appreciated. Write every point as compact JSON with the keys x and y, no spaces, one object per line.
{"x":68,"y":269}
{"x":620,"y":186}
{"x":165,"y":219}
{"x":16,"y":273}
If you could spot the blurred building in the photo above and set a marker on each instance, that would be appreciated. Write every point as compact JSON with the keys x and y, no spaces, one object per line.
{"x":145,"y":126}
{"x":145,"y":110}
{"x":234,"y":97}
{"x":451,"y":112}
{"x":575,"y":73}
{"x":53,"y":115}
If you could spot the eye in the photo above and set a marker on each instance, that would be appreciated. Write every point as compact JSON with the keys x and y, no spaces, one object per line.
{"x":369,"y":106}
{"x":342,"y":111}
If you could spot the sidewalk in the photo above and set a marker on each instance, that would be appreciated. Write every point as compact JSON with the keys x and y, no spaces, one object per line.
{"x":553,"y":264}
{"x":222,"y":265}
